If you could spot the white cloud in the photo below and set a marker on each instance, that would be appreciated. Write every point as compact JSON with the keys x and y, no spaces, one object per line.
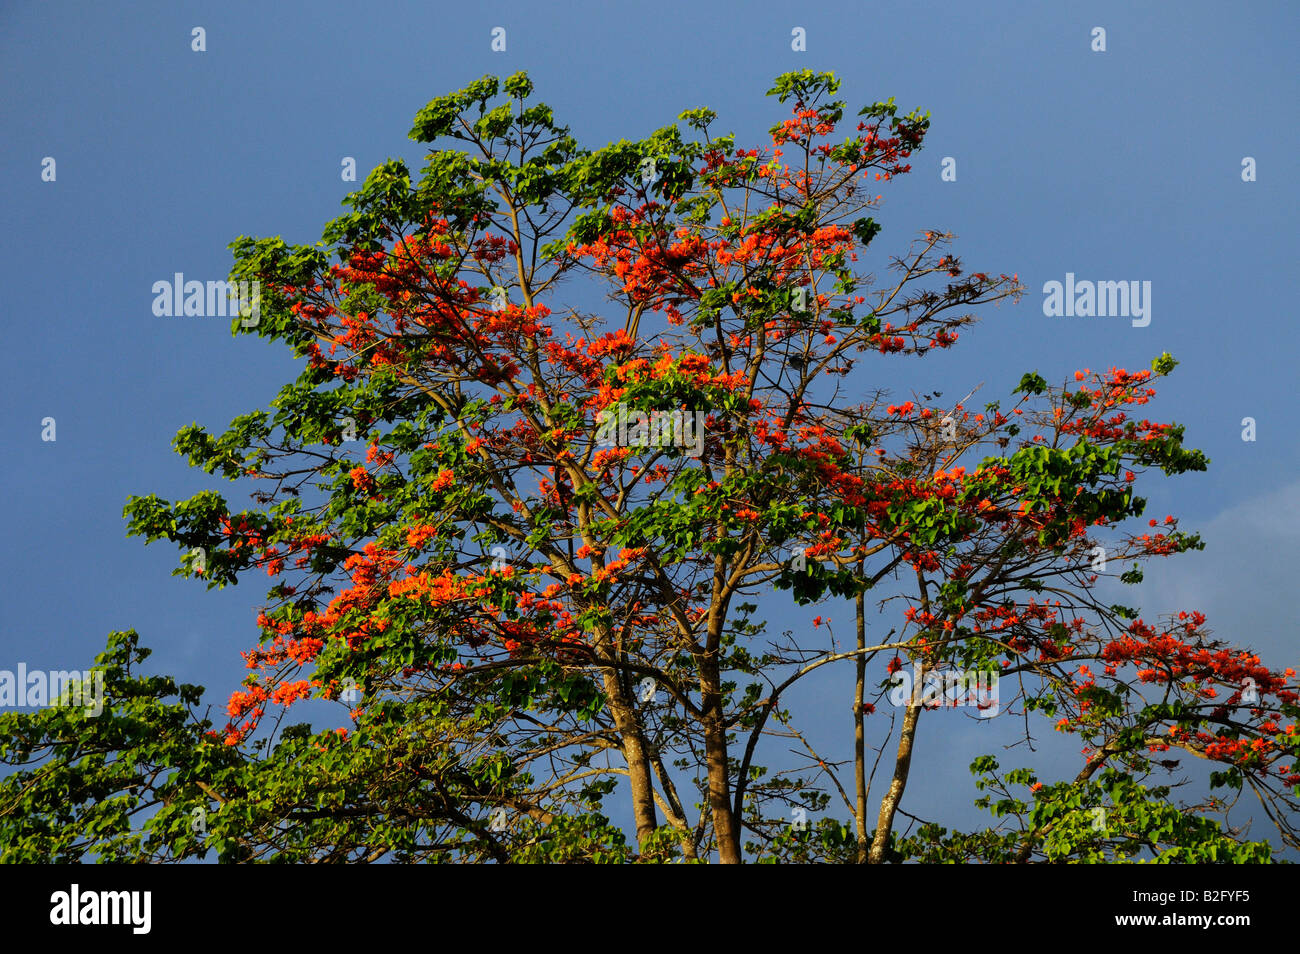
{"x":1244,"y":580}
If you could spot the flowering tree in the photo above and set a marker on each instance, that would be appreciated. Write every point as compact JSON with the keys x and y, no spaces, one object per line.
{"x":529,"y":544}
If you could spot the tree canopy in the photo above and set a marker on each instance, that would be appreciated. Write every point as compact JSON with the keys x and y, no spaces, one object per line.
{"x":569,"y":423}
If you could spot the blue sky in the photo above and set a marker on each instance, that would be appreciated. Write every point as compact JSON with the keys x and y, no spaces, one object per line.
{"x":1116,"y":165}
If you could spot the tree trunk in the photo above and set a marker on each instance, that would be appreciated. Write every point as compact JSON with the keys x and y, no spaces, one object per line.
{"x":859,"y":733}
{"x":725,"y":826}
{"x":889,"y":804}
{"x":634,"y":752}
